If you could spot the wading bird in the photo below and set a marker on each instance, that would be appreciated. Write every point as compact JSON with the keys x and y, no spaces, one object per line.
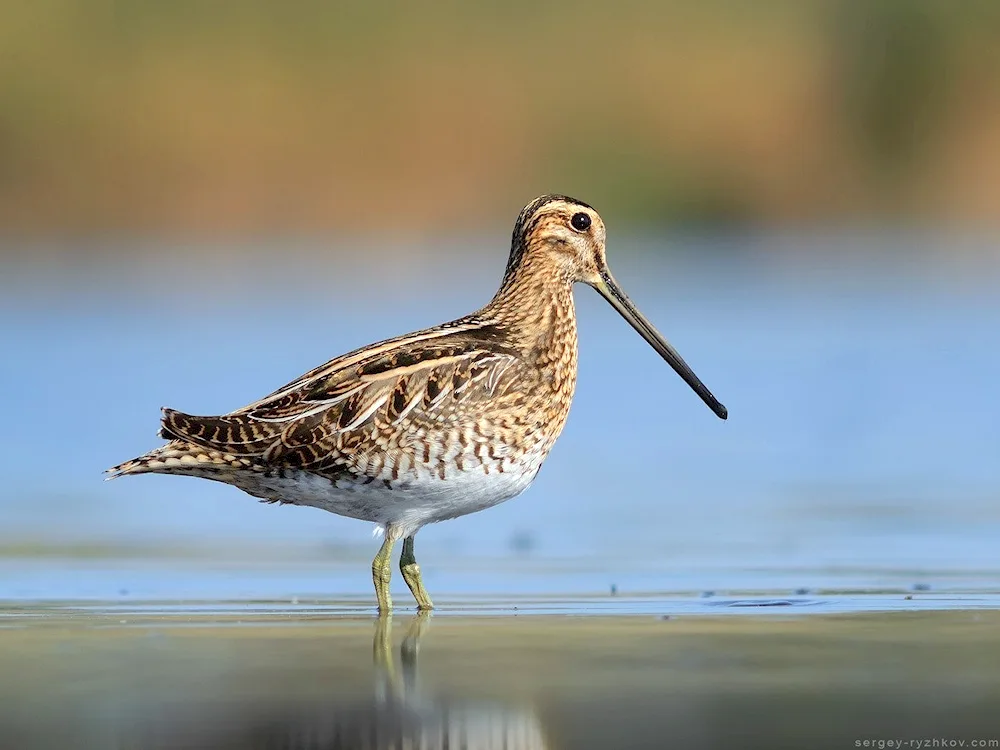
{"x":431,"y":425}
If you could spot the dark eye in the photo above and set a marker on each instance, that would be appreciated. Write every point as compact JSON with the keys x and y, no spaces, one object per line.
{"x":580,"y":222}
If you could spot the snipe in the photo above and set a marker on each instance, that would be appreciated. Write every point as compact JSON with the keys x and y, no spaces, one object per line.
{"x":431,"y":425}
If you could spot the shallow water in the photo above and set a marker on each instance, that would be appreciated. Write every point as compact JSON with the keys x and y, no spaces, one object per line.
{"x":860,"y":451}
{"x":458,"y":583}
{"x":822,"y":570}
{"x":273,"y":678}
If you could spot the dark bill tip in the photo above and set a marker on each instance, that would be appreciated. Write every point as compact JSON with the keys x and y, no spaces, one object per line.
{"x":610,"y":290}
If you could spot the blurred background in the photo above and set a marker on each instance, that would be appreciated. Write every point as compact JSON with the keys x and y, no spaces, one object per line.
{"x":198,"y":202}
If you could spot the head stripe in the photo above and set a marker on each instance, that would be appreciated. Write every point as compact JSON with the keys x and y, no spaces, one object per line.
{"x":526,"y":223}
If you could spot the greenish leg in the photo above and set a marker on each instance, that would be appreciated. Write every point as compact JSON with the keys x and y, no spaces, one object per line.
{"x":382,"y":573}
{"x":411,"y":574}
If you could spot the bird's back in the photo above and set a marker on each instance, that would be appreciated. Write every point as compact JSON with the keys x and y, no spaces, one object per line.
{"x":434,"y":413}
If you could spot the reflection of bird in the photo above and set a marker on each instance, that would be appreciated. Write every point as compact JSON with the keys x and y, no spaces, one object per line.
{"x":406,"y":716}
{"x":402,"y":713}
{"x":431,"y":425}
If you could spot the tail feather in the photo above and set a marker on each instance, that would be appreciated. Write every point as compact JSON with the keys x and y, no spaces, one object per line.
{"x":178,"y":457}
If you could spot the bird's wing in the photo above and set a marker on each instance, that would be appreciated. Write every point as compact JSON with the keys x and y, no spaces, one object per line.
{"x":427,"y":379}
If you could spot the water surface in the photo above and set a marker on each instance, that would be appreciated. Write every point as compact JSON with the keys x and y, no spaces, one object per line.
{"x":860,"y":451}
{"x":821,"y":570}
{"x":269,"y":680}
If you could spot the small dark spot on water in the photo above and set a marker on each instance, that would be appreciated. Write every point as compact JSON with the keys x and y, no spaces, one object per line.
{"x":614,"y":589}
{"x":908,"y":597}
{"x":921,"y":587}
{"x":522,"y":542}
{"x":801,"y":591}
{"x":761,"y":603}
{"x":707,"y":594}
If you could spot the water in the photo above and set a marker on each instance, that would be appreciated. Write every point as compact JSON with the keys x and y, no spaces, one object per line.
{"x":273,"y":681}
{"x":861,"y":443}
{"x":821,"y":570}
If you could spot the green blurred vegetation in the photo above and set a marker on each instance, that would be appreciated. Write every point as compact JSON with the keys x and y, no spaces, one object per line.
{"x":143,"y":115}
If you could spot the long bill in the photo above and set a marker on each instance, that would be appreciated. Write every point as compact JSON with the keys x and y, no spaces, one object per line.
{"x":609,"y":289}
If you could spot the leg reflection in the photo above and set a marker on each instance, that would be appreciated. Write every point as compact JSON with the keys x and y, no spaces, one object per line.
{"x":405,"y":715}
{"x":389,"y":683}
{"x":400,"y":714}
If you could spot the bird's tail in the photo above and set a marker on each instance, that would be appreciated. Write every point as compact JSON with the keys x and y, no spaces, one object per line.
{"x":179,"y":457}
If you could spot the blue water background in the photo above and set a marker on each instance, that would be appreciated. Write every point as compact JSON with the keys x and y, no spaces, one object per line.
{"x":861,"y":378}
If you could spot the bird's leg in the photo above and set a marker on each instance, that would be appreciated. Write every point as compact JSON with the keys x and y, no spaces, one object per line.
{"x":382,"y":573}
{"x":411,"y":574}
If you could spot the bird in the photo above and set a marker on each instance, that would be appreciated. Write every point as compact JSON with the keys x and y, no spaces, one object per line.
{"x":430,"y":425}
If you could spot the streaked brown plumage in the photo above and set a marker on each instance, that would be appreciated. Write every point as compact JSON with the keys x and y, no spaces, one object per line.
{"x":430,"y":425}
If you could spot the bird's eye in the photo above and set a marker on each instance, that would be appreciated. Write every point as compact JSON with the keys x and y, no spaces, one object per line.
{"x":580,"y":222}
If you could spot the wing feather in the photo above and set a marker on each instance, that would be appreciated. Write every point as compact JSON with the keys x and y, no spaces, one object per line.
{"x":335,"y":411}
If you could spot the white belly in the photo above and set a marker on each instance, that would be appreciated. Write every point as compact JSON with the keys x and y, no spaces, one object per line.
{"x":402,"y":506}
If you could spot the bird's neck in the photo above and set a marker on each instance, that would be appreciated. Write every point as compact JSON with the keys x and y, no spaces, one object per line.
{"x":535,"y":307}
